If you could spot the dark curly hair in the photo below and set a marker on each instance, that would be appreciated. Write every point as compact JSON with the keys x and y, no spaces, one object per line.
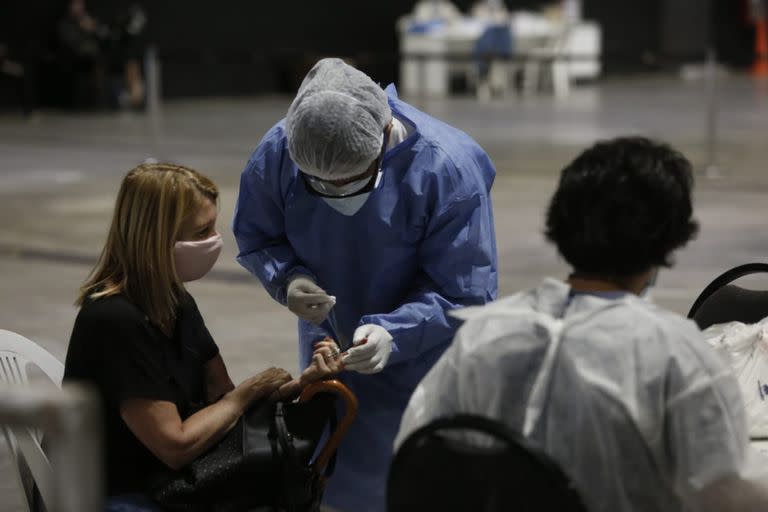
{"x":622,"y":207}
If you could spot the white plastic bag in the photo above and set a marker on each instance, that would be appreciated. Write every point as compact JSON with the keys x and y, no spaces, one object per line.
{"x":745,"y":348}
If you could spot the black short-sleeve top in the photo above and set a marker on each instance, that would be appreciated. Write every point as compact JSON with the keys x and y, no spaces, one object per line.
{"x":116,"y":349}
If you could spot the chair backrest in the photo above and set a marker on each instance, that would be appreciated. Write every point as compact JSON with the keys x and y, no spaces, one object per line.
{"x":441,"y":467}
{"x":71,"y":420}
{"x":722,"y":302}
{"x":17,"y":353}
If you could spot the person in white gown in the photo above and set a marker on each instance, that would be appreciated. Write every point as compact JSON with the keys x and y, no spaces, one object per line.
{"x":628,"y":398}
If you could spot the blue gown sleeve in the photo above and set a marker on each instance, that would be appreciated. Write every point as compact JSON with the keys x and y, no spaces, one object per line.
{"x":458,"y":268}
{"x":259,"y":219}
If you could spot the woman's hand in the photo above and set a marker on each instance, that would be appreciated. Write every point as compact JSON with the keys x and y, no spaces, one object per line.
{"x":269,"y":380}
{"x":326,"y":361}
{"x":261,"y":385}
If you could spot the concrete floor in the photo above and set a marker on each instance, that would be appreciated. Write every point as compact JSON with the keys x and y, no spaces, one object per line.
{"x":59,"y":174}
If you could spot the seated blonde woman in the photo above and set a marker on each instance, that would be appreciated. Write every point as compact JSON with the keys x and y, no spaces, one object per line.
{"x":140,"y":339}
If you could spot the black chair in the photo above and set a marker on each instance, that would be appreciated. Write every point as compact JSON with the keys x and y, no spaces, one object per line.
{"x":722,"y":302}
{"x":435,"y":470}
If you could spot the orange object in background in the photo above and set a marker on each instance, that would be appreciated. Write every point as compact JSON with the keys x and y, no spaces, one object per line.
{"x":760,"y":66}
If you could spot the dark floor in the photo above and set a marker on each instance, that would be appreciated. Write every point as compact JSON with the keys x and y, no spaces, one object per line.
{"x":59,"y":174}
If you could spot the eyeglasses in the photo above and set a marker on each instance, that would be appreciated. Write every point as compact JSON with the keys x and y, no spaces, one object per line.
{"x":367,"y":181}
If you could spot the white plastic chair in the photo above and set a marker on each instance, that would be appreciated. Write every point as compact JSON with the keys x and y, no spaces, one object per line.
{"x":70,"y":416}
{"x":548,"y":59}
{"x":16,"y":354}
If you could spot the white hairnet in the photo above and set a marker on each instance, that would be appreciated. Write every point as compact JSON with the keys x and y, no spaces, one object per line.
{"x":335,"y":125}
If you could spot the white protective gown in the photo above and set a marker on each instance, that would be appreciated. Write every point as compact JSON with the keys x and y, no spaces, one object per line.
{"x":626,"y":397}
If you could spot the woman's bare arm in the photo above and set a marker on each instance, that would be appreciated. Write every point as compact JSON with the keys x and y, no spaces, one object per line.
{"x":157,"y":424}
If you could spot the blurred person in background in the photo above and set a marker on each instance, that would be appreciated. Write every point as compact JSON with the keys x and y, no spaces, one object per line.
{"x":370,"y":220}
{"x":628,"y":398}
{"x":141,"y":341}
{"x":81,"y":39}
{"x":103,"y":59}
{"x":14,"y":72}
{"x":127,"y":50}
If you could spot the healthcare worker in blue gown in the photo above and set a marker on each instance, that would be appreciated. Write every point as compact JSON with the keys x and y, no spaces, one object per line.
{"x":370,"y":220}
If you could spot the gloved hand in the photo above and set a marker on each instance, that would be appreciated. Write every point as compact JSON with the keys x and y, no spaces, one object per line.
{"x":372,"y":345}
{"x":308,"y":301}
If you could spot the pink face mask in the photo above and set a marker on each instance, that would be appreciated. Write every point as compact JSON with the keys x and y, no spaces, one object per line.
{"x":195,"y":259}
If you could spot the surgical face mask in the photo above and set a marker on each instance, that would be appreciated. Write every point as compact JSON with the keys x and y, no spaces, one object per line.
{"x":347,"y":205}
{"x":350,"y":205}
{"x":194,"y":259}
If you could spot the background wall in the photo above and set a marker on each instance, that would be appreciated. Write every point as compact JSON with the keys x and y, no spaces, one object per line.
{"x":248,"y":47}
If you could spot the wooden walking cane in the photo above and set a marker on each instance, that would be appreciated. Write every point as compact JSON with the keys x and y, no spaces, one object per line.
{"x":350,"y":411}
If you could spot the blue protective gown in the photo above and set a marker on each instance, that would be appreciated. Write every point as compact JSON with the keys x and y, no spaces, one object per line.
{"x":422,"y":244}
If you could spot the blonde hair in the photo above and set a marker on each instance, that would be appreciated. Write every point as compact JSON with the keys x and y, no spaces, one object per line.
{"x":154,"y":202}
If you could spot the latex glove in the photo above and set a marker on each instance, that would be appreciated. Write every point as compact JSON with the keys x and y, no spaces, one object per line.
{"x":372,"y":345}
{"x":308,"y":301}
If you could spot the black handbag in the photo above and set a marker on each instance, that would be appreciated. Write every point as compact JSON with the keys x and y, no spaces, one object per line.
{"x":264,"y":462}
